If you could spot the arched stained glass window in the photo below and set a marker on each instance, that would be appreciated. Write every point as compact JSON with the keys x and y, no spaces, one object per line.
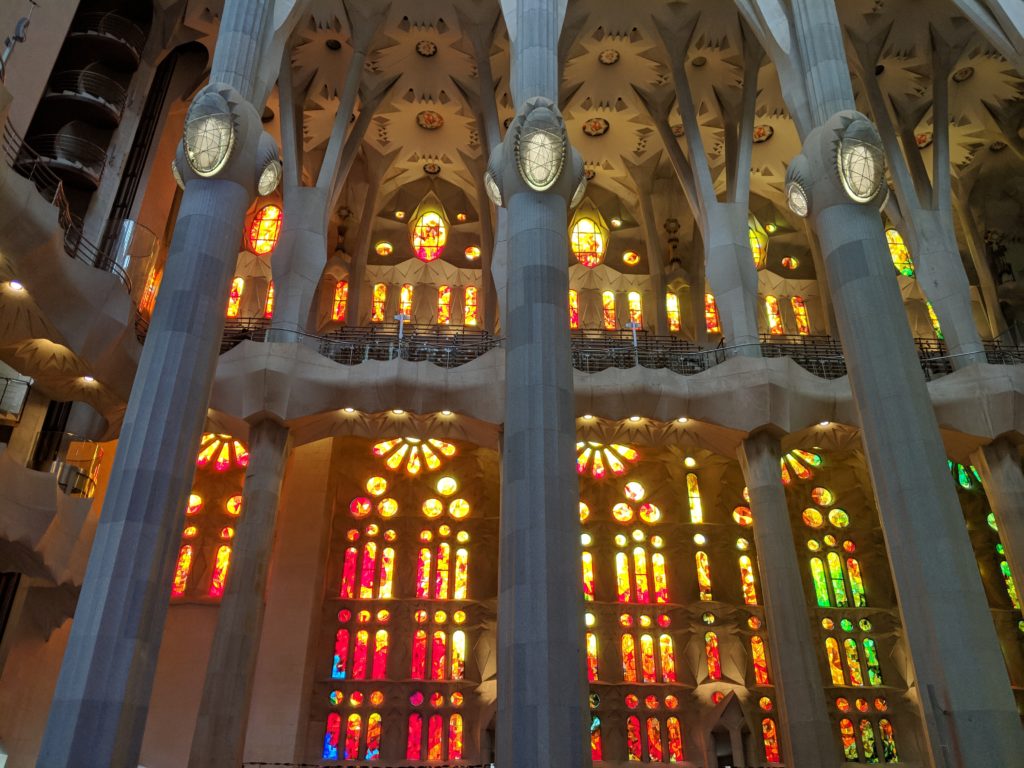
{"x":660,"y":578}
{"x":182,"y":570}
{"x":380,"y":655}
{"x":871,"y":659}
{"x":643,"y":594}
{"x":268,"y":308}
{"x":633,"y":747}
{"x":835,"y":575}
{"x":648,"y":673}
{"x":820,"y":582}
{"x":588,"y":576}
{"x":423,"y":573}
{"x":622,"y":577}
{"x":414,"y":737}
{"x":353,"y":730}
{"x":348,"y":574}
{"x":771,"y":740}
{"x":591,"y":642}
{"x":899,"y":252}
{"x":332,"y":735}
{"x":713,"y":658}
{"x":438,"y":651}
{"x":378,"y":303}
{"x":711,"y":321}
{"x":235,"y":297}
{"x":458,"y":655}
{"x":760,"y":661}
{"x":596,"y":748}
{"x":654,"y":750}
{"x":628,"y":658}
{"x":747,"y":580}
{"x":587,"y":242}
{"x":461,"y":584}
{"x":775,"y":325}
{"x":373,"y":729}
{"x":220,"y":571}
{"x":835,"y":662}
{"x":693,"y":498}
{"x":435,"y":738}
{"x":405,"y":300}
{"x":367,"y":571}
{"x":419,"y":655}
{"x":889,"y":753}
{"x":803,"y":321}
{"x":471,"y":315}
{"x":758,"y":238}
{"x":668,"y":659}
{"x":339,"y":305}
{"x":429,"y":235}
{"x":867,"y":741}
{"x":339,"y":669}
{"x":444,"y":305}
{"x":359,"y":654}
{"x":675,"y":740}
{"x":608,"y":318}
{"x":703,"y":576}
{"x":455,"y":737}
{"x":672,"y":312}
{"x":853,"y":662}
{"x":265,"y":229}
{"x":936,"y":327}
{"x":444,"y":552}
{"x":856,"y":583}
{"x":574,"y":309}
{"x":848,"y":736}
{"x":636,"y":307}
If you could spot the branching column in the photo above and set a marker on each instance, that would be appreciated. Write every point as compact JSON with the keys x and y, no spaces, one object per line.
{"x":999,"y":466}
{"x":102,"y":695}
{"x":807,"y":740}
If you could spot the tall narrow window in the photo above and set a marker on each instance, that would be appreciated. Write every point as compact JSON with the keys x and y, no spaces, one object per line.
{"x":643,"y":594}
{"x":703,"y":576}
{"x":339,"y":306}
{"x":338,"y":670}
{"x":367,"y":571}
{"x":693,"y":498}
{"x":387,"y":573}
{"x":461,"y":574}
{"x":435,"y":738}
{"x":455,"y":737}
{"x":758,"y":239}
{"x":803,"y":322}
{"x":419,"y":655}
{"x":853,"y":661}
{"x":899,"y":252}
{"x":444,"y":305}
{"x":771,"y":740}
{"x":414,"y":737}
{"x":871,"y":659}
{"x":332,"y":736}
{"x":470,"y":314}
{"x":849,"y":739}
{"x":775,"y":326}
{"x":373,"y":727}
{"x":220,"y":571}
{"x":934,"y":320}
{"x":574,"y":309}
{"x":608,"y":318}
{"x":596,"y":748}
{"x":591,"y":641}
{"x":713,"y":658}
{"x":380,"y":298}
{"x":654,"y":750}
{"x":441,"y":573}
{"x":359,"y":654}
{"x":835,"y":576}
{"x":675,"y":740}
{"x":458,"y":654}
{"x":633,"y":748}
{"x":889,"y":753}
{"x":628,"y":658}
{"x":588,"y":577}
{"x":423,"y":574}
{"x":380,"y":655}
{"x":760,"y":661}
{"x":438,"y":648}
{"x":182,"y":570}
{"x":353,"y":730}
{"x":636,"y":308}
{"x":668,"y":659}
{"x":835,"y":663}
{"x":405,"y":300}
{"x":622,"y":576}
{"x":235,"y":297}
{"x":711,"y":321}
{"x":348,"y":574}
{"x":268,"y":308}
{"x":856,"y":583}
{"x":660,"y":577}
{"x":820,"y":582}
{"x":672,"y":312}
{"x":747,"y":581}
{"x":648,"y":674}
{"x":867,"y":741}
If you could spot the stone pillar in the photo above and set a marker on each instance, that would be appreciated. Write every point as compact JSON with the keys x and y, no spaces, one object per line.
{"x":219,"y":735}
{"x":999,"y":466}
{"x":803,"y":713}
{"x":298,"y":261}
{"x":543,"y":716}
{"x":102,"y":696}
{"x":731,"y":274}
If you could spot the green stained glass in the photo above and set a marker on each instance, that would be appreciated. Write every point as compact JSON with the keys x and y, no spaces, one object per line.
{"x":867,"y":741}
{"x":871,"y":657}
{"x":835,"y":575}
{"x":1011,"y":588}
{"x":847,"y":625}
{"x":991,"y":520}
{"x":1000,"y":549}
{"x":963,"y":477}
{"x":865,"y":625}
{"x":860,"y":599}
{"x":811,"y":458}
{"x":889,"y":753}
{"x":820,"y":584}
{"x":976,"y":475}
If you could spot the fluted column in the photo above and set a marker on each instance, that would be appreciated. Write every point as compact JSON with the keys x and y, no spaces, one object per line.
{"x":807,"y":740}
{"x":999,"y":466}
{"x":219,"y":735}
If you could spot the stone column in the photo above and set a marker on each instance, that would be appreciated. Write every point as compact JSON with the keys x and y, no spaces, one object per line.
{"x":102,"y":696}
{"x":803,"y":713}
{"x":543,"y":716}
{"x":219,"y":735}
{"x":999,"y":466}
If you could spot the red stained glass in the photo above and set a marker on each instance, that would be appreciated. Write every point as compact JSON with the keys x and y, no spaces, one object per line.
{"x":235,"y":297}
{"x":760,"y":661}
{"x":441,"y":572}
{"x":220,"y":571}
{"x":574,"y":309}
{"x":331,"y":736}
{"x":461,"y":574}
{"x":803,"y":322}
{"x":747,"y":581}
{"x":771,"y":740}
{"x":444,"y":305}
{"x":423,"y":574}
{"x":608,"y":318}
{"x":668,"y":659}
{"x":622,"y":577}
{"x":268,"y":308}
{"x":182,"y":571}
{"x":435,"y":745}
{"x":419,"y":655}
{"x":471,"y":314}
{"x":387,"y":572}
{"x":455,"y":737}
{"x":628,"y":659}
{"x":373,"y":727}
{"x":339,"y":306}
{"x":380,"y":655}
{"x":265,"y":229}
{"x":438,"y":646}
{"x":414,"y":738}
{"x":458,"y":654}
{"x":713,"y":658}
{"x":633,"y":748}
{"x":672,"y":312}
{"x":711,"y":320}
{"x":588,"y":576}
{"x":366,"y":574}
{"x":643,"y":594}
{"x":353,"y":729}
{"x":660,"y":578}
{"x":675,"y":740}
{"x":591,"y":641}
{"x":654,"y":749}
{"x":359,"y":655}
{"x":338,"y":671}
{"x":348,"y":574}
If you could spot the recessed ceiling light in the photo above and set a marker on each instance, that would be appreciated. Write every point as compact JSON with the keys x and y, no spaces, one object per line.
{"x":14,"y":285}
{"x":588,"y":417}
{"x":616,"y":222}
{"x":348,"y":410}
{"x":397,"y":411}
{"x":824,"y":423}
{"x":689,"y":462}
{"x":399,"y":215}
{"x":446,"y":412}
{"x":682,"y":419}
{"x":634,"y":418}
{"x":88,"y":379}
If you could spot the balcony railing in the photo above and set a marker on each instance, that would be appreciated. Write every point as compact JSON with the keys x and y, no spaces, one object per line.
{"x":112,"y":28}
{"x":13,"y":394}
{"x":92,"y":87}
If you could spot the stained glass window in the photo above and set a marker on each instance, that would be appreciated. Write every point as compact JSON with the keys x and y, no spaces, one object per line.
{"x":405,"y":300}
{"x":856,"y":583}
{"x":628,"y":658}
{"x":853,"y":661}
{"x":339,"y":306}
{"x":220,"y":571}
{"x":331,"y":736}
{"x":935,"y":321}
{"x":803,"y":322}
{"x":455,"y":737}
{"x":588,"y":576}
{"x":353,"y":730}
{"x":235,"y":297}
{"x":693,"y":498}
{"x":675,"y":740}
{"x":373,"y":728}
{"x":712,"y":655}
{"x":268,"y":308}
{"x":265,"y":229}
{"x":574,"y":309}
{"x":871,"y":658}
{"x":654,"y":750}
{"x":429,"y":235}
{"x":672,"y":312}
{"x":835,"y":663}
{"x":444,"y":305}
{"x":758,"y":242}
{"x":703,"y":576}
{"x":747,"y":580}
{"x":414,"y":739}
{"x":849,"y":739}
{"x":636,"y":308}
{"x":608,"y":317}
{"x":867,"y":741}
{"x":771,"y":740}
{"x":760,"y":661}
{"x":820,"y":583}
{"x":591,"y":643}
{"x":899,"y":252}
{"x":339,"y":668}
{"x":596,"y":748}
{"x":889,"y":753}
{"x":711,"y":314}
{"x":643,"y":594}
{"x":419,"y":655}
{"x":435,"y":738}
{"x":470,"y":307}
{"x":660,"y":578}
{"x":623,"y":589}
{"x":378,"y":302}
{"x":775,"y":326}
{"x":182,"y":570}
{"x":633,"y":748}
{"x":378,"y":670}
{"x":835,"y":575}
{"x":588,"y":242}
{"x":668,"y":659}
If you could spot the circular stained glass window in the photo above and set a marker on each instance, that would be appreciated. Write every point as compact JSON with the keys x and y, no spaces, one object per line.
{"x":360,"y":507}
{"x":813,"y":518}
{"x":650,"y":513}
{"x":742,"y":516}
{"x":458,"y":509}
{"x":265,"y":229}
{"x":375,"y":486}
{"x":234,"y":505}
{"x":622,"y":512}
{"x":839,"y":518}
{"x":387,"y":507}
{"x":822,"y":496}
{"x":632,"y":700}
{"x":671,"y":702}
{"x":634,"y":491}
{"x":765,"y":703}
{"x":842,"y":704}
{"x":446,"y":486}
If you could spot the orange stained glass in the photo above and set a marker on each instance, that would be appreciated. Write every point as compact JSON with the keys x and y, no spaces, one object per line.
{"x":668,"y":659}
{"x":348,"y":574}
{"x":423,"y":574}
{"x":856,"y":583}
{"x":455,"y":737}
{"x":366,"y":573}
{"x":359,"y":654}
{"x":758,"y":243}
{"x":703,"y":576}
{"x":654,"y":749}
{"x":234,"y":505}
{"x":195,"y":503}
{"x":587,"y":241}
{"x":643,"y":594}
{"x":799,"y":469}
{"x":378,"y":302}
{"x":461,"y":574}
{"x":405,"y":300}
{"x":775,"y":326}
{"x":220,"y":571}
{"x":693,"y":498}
{"x":633,"y":748}
{"x":636,"y":307}
{"x":747,"y":580}
{"x":387,"y":573}
{"x":672,"y":312}
{"x":444,"y":552}
{"x":760,"y":661}
{"x":268,"y":308}
{"x":803,"y":321}
{"x":853,"y":662}
{"x":711,"y":321}
{"x":353,"y":730}
{"x":438,"y":649}
{"x":339,"y":306}
{"x":190,"y":532}
{"x":712,"y":655}
{"x":235,"y":297}
{"x":591,"y":641}
{"x":265,"y":229}
{"x":182,"y":570}
{"x":458,"y":654}
{"x":622,"y":576}
{"x":470,"y":307}
{"x":380,"y":655}
{"x":419,"y":655}
{"x":609,"y":320}
{"x":373,"y":727}
{"x":148,"y":293}
{"x":596,"y":748}
{"x":628,"y":659}
{"x":899,"y":252}
{"x":414,"y":737}
{"x":771,"y":740}
{"x":429,"y":235}
{"x":588,"y":576}
{"x":835,"y":663}
{"x":660,"y":578}
{"x":339,"y":668}
{"x":648,"y":673}
{"x":444,"y":305}
{"x":435,"y":738}
{"x":675,"y":740}
{"x":574,"y":309}
{"x":849,"y":739}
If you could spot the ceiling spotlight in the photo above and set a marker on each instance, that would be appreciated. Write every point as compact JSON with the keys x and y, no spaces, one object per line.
{"x":616,"y":222}
{"x":87,"y":379}
{"x":588,"y":417}
{"x":397,"y":411}
{"x":682,"y":419}
{"x":446,"y":412}
{"x":689,"y":462}
{"x":824,"y":423}
{"x":348,"y":410}
{"x":399,"y":215}
{"x":634,"y":418}
{"x":15,"y":286}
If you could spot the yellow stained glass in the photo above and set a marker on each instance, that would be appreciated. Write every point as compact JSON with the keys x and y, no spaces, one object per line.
{"x":803,"y":322}
{"x":405,"y":300}
{"x":622,"y":577}
{"x":234,"y":505}
{"x":587,"y":241}
{"x":182,"y":570}
{"x":711,"y":314}
{"x":458,"y":508}
{"x":703,"y":576}
{"x":444,"y":305}
{"x":471,"y":314}
{"x":636,"y":310}
{"x":693,"y":497}
{"x":429,"y":235}
{"x":380,"y":297}
{"x":934,"y":320}
{"x":672,"y":311}
{"x":433,"y":508}
{"x":339,"y":306}
{"x":387,"y":507}
{"x":771,"y":306}
{"x":574,"y":309}
{"x":235,"y":297}
{"x":899,"y":252}
{"x":376,"y":486}
{"x":608,"y":317}
{"x":195,"y":503}
{"x":268,"y":308}
{"x":265,"y":229}
{"x":758,"y":242}
{"x":220,"y":571}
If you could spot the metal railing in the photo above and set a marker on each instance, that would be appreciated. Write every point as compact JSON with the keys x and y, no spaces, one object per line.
{"x":594,"y":351}
{"x":69,"y":153}
{"x":13,"y":394}
{"x":98,"y":88}
{"x":112,"y":26}
{"x":820,"y":355}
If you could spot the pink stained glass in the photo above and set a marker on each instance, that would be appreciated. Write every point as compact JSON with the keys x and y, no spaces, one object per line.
{"x":419,"y":655}
{"x":353,"y":730}
{"x":339,"y":307}
{"x":668,"y":659}
{"x":675,"y":740}
{"x":647,"y":670}
{"x":435,"y":738}
{"x":182,"y":571}
{"x":760,"y":661}
{"x":423,"y":574}
{"x":444,"y":305}
{"x":633,"y":747}
{"x":622,"y":576}
{"x":771,"y":740}
{"x":438,"y":647}
{"x":461,"y":574}
{"x":414,"y":737}
{"x":444,"y":552}
{"x":747,"y":581}
{"x":703,"y":576}
{"x":660,"y":578}
{"x":628,"y":659}
{"x":220,"y":571}
{"x":455,"y":737}
{"x":643,"y":594}
{"x":588,"y":577}
{"x":348,"y":574}
{"x":713,"y":658}
{"x":574,"y":309}
{"x":235,"y":297}
{"x":359,"y":655}
{"x":387,"y":573}
{"x":458,"y":655}
{"x":339,"y":670}
{"x":332,"y":736}
{"x":591,"y":641}
{"x":373,"y":729}
{"x":268,"y":308}
{"x":366,"y":573}
{"x":380,"y":655}
{"x":654,"y":750}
